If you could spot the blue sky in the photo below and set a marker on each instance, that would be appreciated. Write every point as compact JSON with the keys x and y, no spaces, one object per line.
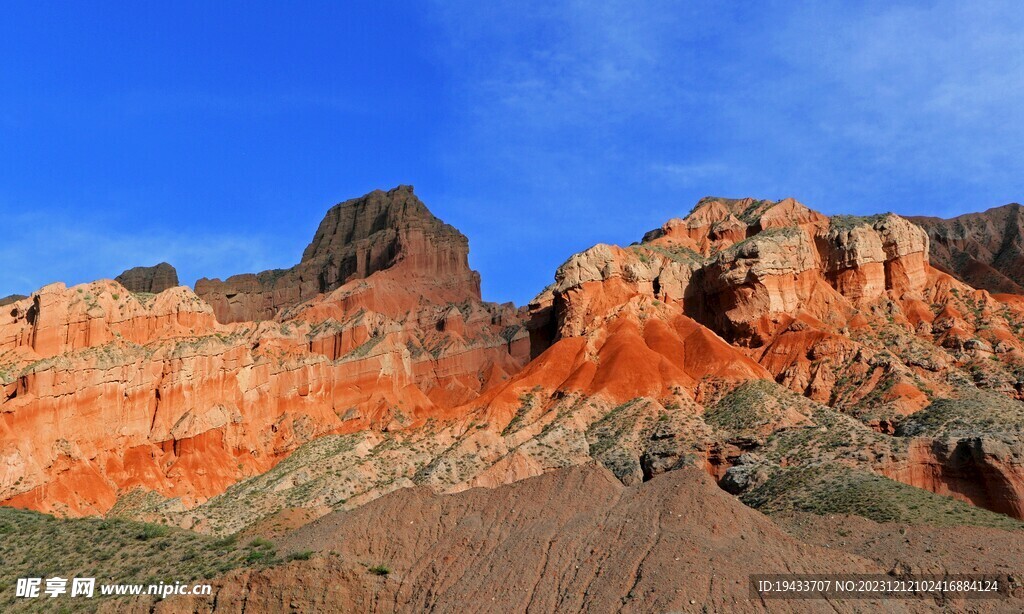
{"x":215,"y":135}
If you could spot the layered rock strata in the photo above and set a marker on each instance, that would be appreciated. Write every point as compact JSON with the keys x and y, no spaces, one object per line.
{"x":640,"y":358}
{"x":105,"y":391}
{"x":984,"y":250}
{"x":390,"y":230}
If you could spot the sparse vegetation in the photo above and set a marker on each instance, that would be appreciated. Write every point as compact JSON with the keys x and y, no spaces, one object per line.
{"x":847,"y":222}
{"x":754,"y":405}
{"x":110,"y":550}
{"x":260,"y":550}
{"x":837,"y":489}
{"x":152,"y":531}
{"x":516,"y":422}
{"x":971,"y":413}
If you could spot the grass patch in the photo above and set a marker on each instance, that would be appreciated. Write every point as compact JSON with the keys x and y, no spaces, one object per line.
{"x":35,"y":545}
{"x":152,"y":531}
{"x":749,"y":407}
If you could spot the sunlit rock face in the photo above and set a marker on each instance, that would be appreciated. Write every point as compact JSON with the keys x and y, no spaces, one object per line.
{"x":380,"y":333}
{"x":106,"y":390}
{"x":390,"y":230}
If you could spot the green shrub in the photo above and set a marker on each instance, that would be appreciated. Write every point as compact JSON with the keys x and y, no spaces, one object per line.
{"x":152,"y":531}
{"x":259,"y":542}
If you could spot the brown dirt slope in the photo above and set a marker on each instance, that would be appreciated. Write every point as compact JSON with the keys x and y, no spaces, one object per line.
{"x":570,"y":540}
{"x":911,"y":548}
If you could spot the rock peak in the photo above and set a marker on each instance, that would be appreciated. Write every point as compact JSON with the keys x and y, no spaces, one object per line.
{"x":985,"y":250}
{"x":154,"y":279}
{"x":12,"y":298}
{"x":358,"y":237}
{"x":359,"y":219}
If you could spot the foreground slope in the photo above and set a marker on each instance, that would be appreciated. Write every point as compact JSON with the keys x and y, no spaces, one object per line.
{"x":572,"y":540}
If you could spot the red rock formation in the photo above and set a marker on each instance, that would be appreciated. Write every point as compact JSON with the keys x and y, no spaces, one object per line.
{"x":105,"y":391}
{"x":381,"y":327}
{"x":57,"y":320}
{"x":846,"y":311}
{"x":792,"y":292}
{"x":379,"y":231}
{"x":983,"y":471}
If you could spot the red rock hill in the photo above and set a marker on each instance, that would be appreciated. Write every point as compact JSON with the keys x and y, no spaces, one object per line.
{"x":105,"y":391}
{"x":380,"y":329}
{"x":390,"y":230}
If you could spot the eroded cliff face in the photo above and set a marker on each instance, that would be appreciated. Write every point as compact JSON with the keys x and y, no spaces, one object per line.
{"x":106,"y":391}
{"x":984,"y":250}
{"x":785,"y":285}
{"x":375,"y":360}
{"x":983,"y":470}
{"x":845,"y":311}
{"x":380,"y":231}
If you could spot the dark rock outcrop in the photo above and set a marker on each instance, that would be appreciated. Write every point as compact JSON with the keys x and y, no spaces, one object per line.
{"x":357,"y":238}
{"x":154,"y":279}
{"x":12,"y":298}
{"x":985,"y":250}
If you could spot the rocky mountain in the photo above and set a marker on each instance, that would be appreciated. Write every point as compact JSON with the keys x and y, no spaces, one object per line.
{"x":984,"y":250}
{"x":121,"y":391}
{"x":390,"y":230}
{"x":151,"y":279}
{"x":805,"y":364}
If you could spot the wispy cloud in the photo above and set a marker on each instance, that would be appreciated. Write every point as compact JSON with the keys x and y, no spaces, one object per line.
{"x":554,"y":125}
{"x":917,"y":99}
{"x":691,"y":174}
{"x":47,"y":250}
{"x":614,"y":116}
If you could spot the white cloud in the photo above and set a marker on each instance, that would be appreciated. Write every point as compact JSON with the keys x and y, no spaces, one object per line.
{"x":607,"y":118}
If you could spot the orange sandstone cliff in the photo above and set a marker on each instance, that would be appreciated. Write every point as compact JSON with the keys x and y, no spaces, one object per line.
{"x":106,"y":391}
{"x":749,"y":338}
